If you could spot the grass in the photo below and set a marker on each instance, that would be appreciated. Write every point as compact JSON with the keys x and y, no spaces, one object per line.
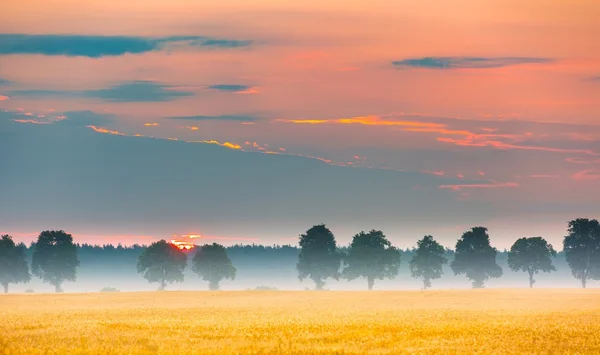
{"x":279,"y":322}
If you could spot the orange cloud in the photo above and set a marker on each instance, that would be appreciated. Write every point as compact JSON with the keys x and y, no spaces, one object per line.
{"x":31,"y":121}
{"x":459,"y":187}
{"x":371,"y":120}
{"x":226,"y":144}
{"x":151,"y":124}
{"x":586,"y":175}
{"x":104,"y":130}
{"x":2,"y":97}
{"x":501,"y":145}
{"x":249,"y":91}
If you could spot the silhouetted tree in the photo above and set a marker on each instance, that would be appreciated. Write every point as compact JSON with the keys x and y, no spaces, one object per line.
{"x":475,"y":257}
{"x":372,"y":256}
{"x":319,"y":258}
{"x":212,"y":264}
{"x":427,"y":261}
{"x":582,"y":249}
{"x":531,"y":255}
{"x":162,"y":262}
{"x":13,"y":263}
{"x":54,"y":258}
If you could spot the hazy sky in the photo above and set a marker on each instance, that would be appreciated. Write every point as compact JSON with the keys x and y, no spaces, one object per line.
{"x":267,"y":117}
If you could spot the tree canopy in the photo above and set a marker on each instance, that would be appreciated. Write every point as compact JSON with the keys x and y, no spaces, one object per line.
{"x":371,"y":256}
{"x":13,"y":263}
{"x":54,"y":258}
{"x":162,"y":262}
{"x":582,"y":249}
{"x":427,"y":261}
{"x":531,"y":255}
{"x":212,"y":264}
{"x":475,"y":258}
{"x":319,"y":258}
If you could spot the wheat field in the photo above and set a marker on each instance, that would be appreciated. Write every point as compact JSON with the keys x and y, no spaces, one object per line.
{"x":279,"y":322}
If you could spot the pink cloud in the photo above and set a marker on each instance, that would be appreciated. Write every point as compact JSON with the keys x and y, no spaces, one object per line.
{"x":2,"y":97}
{"x":544,"y":176}
{"x":586,"y":175}
{"x":459,"y":187}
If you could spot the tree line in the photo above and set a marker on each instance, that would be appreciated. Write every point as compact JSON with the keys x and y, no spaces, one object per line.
{"x":370,"y":256}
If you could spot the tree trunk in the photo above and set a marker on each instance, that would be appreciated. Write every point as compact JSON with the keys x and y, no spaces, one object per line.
{"x":57,"y":288}
{"x":531,"y":280}
{"x":370,"y":282}
{"x":5,"y":285}
{"x":319,"y":283}
{"x":478,"y":284}
{"x":583,"y":281}
{"x":426,"y":283}
{"x":213,"y":285}
{"x":163,"y":285}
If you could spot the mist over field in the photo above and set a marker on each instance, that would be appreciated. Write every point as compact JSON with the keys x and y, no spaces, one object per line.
{"x":274,"y":267}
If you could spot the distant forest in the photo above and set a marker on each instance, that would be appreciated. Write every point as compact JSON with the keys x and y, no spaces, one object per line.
{"x":317,"y":263}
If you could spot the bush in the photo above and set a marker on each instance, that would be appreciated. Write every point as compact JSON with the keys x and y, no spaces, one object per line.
{"x":109,"y":289}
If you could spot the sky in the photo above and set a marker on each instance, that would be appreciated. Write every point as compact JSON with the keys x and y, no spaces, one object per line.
{"x":249,"y":122}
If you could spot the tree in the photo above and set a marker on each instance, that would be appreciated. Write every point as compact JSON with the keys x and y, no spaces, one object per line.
{"x":212,"y":264}
{"x":13,"y":264}
{"x":582,"y":249}
{"x":54,"y":258}
{"x":371,"y":256}
{"x":531,"y":255}
{"x":427,"y":261}
{"x":319,"y":258}
{"x":475,"y":257}
{"x":162,"y":262}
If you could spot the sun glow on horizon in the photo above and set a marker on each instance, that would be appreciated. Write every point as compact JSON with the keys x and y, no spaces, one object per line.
{"x":184,"y":242}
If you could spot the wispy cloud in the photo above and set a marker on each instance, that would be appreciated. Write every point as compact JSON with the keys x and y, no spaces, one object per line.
{"x":2,"y":97}
{"x":364,"y":120}
{"x":100,"y":46}
{"x":465,"y":132}
{"x":494,"y":185}
{"x":151,"y":124}
{"x":104,"y":130}
{"x":466,"y":62}
{"x":592,"y":174}
{"x":240,"y":118}
{"x":133,"y":91}
{"x":4,"y":82}
{"x":234,"y":88}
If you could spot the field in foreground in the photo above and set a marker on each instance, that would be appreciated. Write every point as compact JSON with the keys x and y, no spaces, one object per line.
{"x":265,"y":322}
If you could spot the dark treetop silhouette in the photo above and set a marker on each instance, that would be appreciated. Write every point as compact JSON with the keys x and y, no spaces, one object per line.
{"x":13,"y":263}
{"x":531,"y":255}
{"x":371,"y":256}
{"x":475,"y":257}
{"x":319,"y":258}
{"x":582,"y":249}
{"x":55,"y":258}
{"x":162,"y":262}
{"x":212,"y":264}
{"x":428,"y":261}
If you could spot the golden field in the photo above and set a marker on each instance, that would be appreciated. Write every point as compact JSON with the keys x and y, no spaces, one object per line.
{"x":280,"y":322}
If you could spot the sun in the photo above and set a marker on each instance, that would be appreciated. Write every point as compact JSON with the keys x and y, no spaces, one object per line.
{"x":184,"y":242}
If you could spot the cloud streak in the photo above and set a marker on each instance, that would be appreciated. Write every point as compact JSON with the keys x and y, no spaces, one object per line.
{"x":234,"y":88}
{"x":101,"y":46}
{"x":132,"y":91}
{"x":466,"y":62}
{"x":458,"y":187}
{"x":237,"y":118}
